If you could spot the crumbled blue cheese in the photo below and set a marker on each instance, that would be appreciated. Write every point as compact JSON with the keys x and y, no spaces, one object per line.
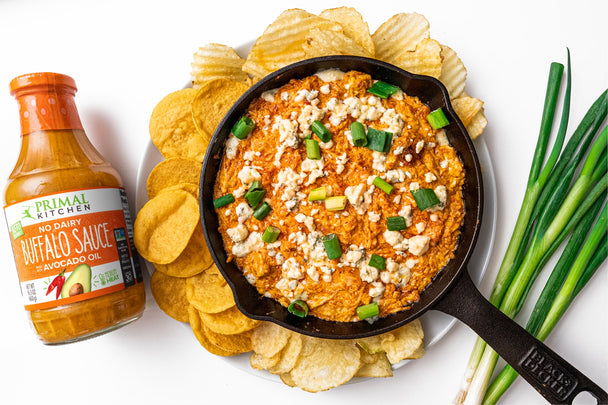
{"x":442,"y":194}
{"x":251,"y":244}
{"x":325,"y":89}
{"x":341,"y":162}
{"x":304,"y":94}
{"x":379,"y":163}
{"x":395,"y":176}
{"x":292,"y":269}
{"x":441,"y":138}
{"x":248,"y":175}
{"x":373,"y":216}
{"x":269,"y":95}
{"x":238,"y":234}
{"x":368,"y":273}
{"x":396,"y":240}
{"x":243,"y":212}
{"x":406,"y":212}
{"x":393,"y":121}
{"x":419,"y":146}
{"x":376,"y":290}
{"x":355,"y":196}
{"x":308,"y":115}
{"x":419,"y":244}
{"x":232,"y":143}
{"x":330,"y":75}
{"x":288,"y":132}
{"x":430,"y":177}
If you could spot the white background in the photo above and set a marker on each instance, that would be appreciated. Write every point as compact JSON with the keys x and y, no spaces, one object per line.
{"x":126,"y":55}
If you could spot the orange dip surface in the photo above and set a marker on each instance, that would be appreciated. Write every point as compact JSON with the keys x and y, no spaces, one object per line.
{"x":296,"y":265}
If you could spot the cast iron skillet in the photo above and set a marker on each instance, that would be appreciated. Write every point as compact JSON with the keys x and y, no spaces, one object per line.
{"x":451,"y":291}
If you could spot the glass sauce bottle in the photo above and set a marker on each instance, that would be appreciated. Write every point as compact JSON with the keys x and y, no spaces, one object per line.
{"x":69,"y":220}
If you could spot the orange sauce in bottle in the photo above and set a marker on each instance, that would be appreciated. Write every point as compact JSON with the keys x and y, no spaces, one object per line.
{"x":69,"y":220}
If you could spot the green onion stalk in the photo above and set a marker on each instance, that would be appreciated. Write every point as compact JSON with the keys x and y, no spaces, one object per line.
{"x":543,"y":222}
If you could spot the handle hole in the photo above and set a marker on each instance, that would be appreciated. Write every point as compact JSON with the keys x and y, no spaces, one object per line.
{"x":584,"y":398}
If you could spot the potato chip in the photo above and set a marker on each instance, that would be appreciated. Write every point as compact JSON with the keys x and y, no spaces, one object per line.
{"x":453,"y":73}
{"x":269,"y":339}
{"x":208,"y":291}
{"x":425,"y":60}
{"x":287,"y":379}
{"x":399,"y":34}
{"x":236,"y":343}
{"x":466,"y":108}
{"x":374,"y":365}
{"x":172,"y":172}
{"x":288,"y":356}
{"x":170,"y":295}
{"x":228,"y":322}
{"x":477,"y":125}
{"x":164,"y":225}
{"x":199,"y":332}
{"x":353,"y":24}
{"x":259,"y":362}
{"x":194,"y":259}
{"x":322,"y":43}
{"x":172,"y":129}
{"x":213,"y":61}
{"x":212,"y":101}
{"x":399,"y":344}
{"x":325,"y":364}
{"x":282,"y":41}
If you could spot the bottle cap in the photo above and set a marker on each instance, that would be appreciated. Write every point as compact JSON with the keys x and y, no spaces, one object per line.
{"x":39,"y":80}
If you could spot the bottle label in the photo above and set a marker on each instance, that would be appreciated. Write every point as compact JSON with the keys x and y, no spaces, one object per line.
{"x":72,"y":246}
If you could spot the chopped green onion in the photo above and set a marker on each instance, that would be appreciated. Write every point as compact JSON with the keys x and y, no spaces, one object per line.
{"x":321,"y":131}
{"x":271,"y":234}
{"x":254,"y":197}
{"x":368,"y":311}
{"x":376,"y":139}
{"x":382,"y":90}
{"x":383,"y":185}
{"x":223,"y":200}
{"x":336,"y":203}
{"x":261,"y":212}
{"x":312,"y":149}
{"x":243,"y":127}
{"x":256,"y":185}
{"x":425,"y":198}
{"x":357,"y":131}
{"x":298,"y":308}
{"x":377,"y":261}
{"x":395,"y":223}
{"x":318,"y":194}
{"x":332,"y":246}
{"x":437,"y":119}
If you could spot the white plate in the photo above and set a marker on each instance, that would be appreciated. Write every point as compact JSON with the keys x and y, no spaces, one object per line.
{"x":435,"y":324}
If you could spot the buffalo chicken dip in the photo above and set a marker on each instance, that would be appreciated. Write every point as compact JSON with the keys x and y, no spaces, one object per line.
{"x":335,"y":193}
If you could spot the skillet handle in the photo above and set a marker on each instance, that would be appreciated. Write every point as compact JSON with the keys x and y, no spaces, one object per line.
{"x":552,"y":376}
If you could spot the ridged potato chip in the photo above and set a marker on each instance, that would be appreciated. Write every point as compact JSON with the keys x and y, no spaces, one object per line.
{"x":164,"y":225}
{"x":170,"y":295}
{"x":282,"y":41}
{"x":212,"y":101}
{"x":208,"y":291}
{"x":323,"y":42}
{"x":325,"y":364}
{"x":477,"y":125}
{"x":353,"y":24}
{"x":400,"y":33}
{"x":194,"y":259}
{"x":425,"y":60}
{"x":172,"y":129}
{"x":228,"y":322}
{"x":171,"y":172}
{"x":214,"y":61}
{"x":453,"y":73}
{"x":467,"y":107}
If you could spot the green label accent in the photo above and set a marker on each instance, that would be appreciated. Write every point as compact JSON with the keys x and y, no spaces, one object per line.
{"x":17,"y":230}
